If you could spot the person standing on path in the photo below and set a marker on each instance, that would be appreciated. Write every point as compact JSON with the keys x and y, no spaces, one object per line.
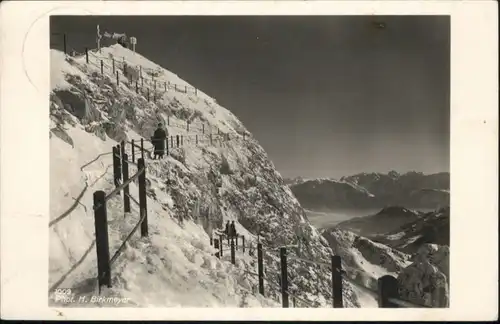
{"x":159,"y":137}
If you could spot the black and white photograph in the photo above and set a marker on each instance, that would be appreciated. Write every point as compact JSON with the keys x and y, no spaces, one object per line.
{"x":196,"y":160}
{"x":250,"y":161}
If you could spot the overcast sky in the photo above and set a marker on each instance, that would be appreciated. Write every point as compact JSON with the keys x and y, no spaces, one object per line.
{"x":326,"y":96}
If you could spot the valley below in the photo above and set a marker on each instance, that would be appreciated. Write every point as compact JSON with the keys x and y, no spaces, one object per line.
{"x":385,"y":225}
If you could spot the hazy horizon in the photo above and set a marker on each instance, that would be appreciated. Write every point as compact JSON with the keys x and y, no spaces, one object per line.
{"x":367,"y":172}
{"x":325,"y":96}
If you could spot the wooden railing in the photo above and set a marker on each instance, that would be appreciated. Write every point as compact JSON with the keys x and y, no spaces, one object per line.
{"x":387,"y":292}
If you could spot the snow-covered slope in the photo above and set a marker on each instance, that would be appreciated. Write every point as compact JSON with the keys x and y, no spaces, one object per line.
{"x":386,"y":220}
{"x":363,"y":259}
{"x":227,"y":179}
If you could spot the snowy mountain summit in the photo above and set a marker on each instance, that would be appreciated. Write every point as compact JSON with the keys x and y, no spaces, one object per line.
{"x":229,"y":178}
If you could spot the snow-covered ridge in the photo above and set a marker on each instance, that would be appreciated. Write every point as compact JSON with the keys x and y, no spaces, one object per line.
{"x":233,"y":180}
{"x":386,"y":220}
{"x":374,"y":190}
{"x":428,"y":228}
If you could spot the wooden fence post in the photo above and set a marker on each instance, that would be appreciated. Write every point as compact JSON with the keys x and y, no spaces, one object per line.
{"x":203,"y":128}
{"x":142,"y":197}
{"x":133,"y":151}
{"x":102,"y":67}
{"x":211,"y":241}
{"x":177,"y":138}
{"x":102,"y":243}
{"x":233,"y":257}
{"x":216,"y":246}
{"x":64,"y":42}
{"x":148,"y":94}
{"x":142,"y":149}
{"x":284,"y":278}
{"x":388,"y":287}
{"x":337,"y":281}
{"x":87,"y":55}
{"x":221,"y":246}
{"x":126,"y":198}
{"x":123,"y":147}
{"x":168,"y":120}
{"x":243,"y":243}
{"x":114,"y":70}
{"x":117,"y":78}
{"x":182,"y":140}
{"x":166,"y":147}
{"x":187,"y":126}
{"x":117,"y":166}
{"x":236,"y":238}
{"x":260,"y":265}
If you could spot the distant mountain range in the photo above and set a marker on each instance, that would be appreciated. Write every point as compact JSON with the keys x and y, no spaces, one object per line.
{"x":386,"y":220}
{"x":413,"y":190}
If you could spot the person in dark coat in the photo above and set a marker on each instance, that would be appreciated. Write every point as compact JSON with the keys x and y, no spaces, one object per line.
{"x":158,"y":139}
{"x":226,"y":231}
{"x":232,"y":230}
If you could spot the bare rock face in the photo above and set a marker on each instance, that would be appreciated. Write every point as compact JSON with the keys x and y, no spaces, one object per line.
{"x":62,"y":134}
{"x":78,"y":104}
{"x":426,"y":281}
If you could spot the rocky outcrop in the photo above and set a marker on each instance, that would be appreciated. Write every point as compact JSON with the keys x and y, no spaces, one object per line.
{"x":363,"y":259}
{"x":426,"y":281}
{"x":430,"y":228}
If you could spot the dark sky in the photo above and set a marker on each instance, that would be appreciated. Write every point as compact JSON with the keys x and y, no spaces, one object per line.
{"x":326,"y":96}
